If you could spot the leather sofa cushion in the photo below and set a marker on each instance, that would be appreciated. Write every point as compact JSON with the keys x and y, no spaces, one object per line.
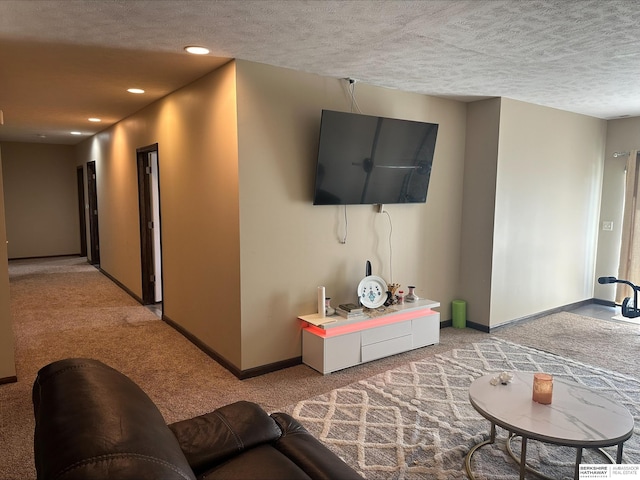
{"x":306,"y":451}
{"x":263,"y":462}
{"x":272,"y":446}
{"x":210,"y":439}
{"x":94,"y":423}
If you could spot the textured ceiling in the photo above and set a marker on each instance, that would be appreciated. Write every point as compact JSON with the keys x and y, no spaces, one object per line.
{"x":62,"y":61}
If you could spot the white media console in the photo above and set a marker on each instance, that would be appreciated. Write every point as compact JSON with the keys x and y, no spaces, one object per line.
{"x":327,"y":347}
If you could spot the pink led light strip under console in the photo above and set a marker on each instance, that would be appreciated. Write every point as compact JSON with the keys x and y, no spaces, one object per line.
{"x":366,"y":324}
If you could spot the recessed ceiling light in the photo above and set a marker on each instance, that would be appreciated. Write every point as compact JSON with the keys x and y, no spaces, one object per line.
{"x":76,"y":133}
{"x":93,"y":119}
{"x":195,"y":50}
{"x":135,"y":90}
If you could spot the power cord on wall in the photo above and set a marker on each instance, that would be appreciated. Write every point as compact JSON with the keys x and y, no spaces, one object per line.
{"x":390,"y":247}
{"x":352,"y":94}
{"x":346,"y":227}
{"x":354,"y":103}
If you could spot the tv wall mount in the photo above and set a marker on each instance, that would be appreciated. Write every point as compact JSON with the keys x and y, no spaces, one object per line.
{"x":629,"y":305}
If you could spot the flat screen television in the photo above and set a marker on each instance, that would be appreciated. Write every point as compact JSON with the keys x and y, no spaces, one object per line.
{"x":364,"y":159}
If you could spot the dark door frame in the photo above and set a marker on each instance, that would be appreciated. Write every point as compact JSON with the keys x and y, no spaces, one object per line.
{"x":94,"y":234}
{"x":81,"y":211}
{"x":146,"y":224}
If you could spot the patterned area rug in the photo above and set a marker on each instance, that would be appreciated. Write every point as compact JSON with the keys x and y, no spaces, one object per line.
{"x":416,"y":422}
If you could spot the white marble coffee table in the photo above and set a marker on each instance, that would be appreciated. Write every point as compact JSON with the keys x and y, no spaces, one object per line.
{"x":578,"y":417}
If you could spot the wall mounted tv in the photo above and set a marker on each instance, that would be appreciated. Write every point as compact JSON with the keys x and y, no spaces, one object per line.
{"x":364,"y":159}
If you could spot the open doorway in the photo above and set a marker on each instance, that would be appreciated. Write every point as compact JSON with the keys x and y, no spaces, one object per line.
{"x":150,"y":226}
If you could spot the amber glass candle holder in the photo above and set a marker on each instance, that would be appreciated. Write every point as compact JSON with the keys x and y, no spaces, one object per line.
{"x":542,"y":388}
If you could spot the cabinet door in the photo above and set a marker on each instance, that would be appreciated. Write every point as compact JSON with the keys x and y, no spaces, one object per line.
{"x":341,"y":352}
{"x":426,"y":330}
{"x":313,"y":350}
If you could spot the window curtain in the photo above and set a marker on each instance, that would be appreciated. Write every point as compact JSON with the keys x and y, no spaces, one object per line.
{"x":629,"y":268}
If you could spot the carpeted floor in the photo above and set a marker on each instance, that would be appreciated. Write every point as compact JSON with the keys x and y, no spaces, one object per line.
{"x":63,"y":307}
{"x":415,"y":421}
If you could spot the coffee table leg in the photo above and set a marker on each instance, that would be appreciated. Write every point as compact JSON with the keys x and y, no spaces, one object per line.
{"x":467,"y":460}
{"x":523,"y":457}
{"x":576,"y":473}
{"x":619,"y":455}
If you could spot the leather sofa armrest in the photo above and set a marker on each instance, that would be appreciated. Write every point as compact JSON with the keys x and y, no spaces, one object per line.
{"x":209,"y":439}
{"x":94,"y":423}
{"x":309,"y":453}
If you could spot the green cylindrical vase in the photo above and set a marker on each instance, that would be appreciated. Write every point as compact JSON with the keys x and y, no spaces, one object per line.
{"x":459,"y":313}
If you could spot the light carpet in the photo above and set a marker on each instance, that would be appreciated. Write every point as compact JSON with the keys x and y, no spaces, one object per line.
{"x":63,"y":307}
{"x":415,"y":421}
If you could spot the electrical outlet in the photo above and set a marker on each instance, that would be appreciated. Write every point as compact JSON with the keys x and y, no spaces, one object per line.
{"x":607,"y":225}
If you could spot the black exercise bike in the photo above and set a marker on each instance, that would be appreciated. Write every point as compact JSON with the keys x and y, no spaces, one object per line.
{"x":629,"y":305}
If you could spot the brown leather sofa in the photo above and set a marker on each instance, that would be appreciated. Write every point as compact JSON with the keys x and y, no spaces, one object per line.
{"x":94,"y":423}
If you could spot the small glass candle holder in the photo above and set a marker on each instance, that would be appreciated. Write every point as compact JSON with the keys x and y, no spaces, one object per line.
{"x":542,"y":388}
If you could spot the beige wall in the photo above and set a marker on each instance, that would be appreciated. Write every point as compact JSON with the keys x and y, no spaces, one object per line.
{"x":289,"y":246}
{"x":196,"y":132}
{"x":7,"y":359}
{"x":623,"y":135}
{"x":244,"y":248}
{"x":481,"y":163}
{"x":533,"y":180}
{"x":549,"y":179}
{"x":41,"y":200}
{"x":238,"y":224}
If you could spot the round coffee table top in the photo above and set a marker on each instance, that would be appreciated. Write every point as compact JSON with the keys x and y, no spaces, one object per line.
{"x":577,"y":416}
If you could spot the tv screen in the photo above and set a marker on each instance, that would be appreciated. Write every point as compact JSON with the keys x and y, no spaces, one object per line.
{"x":364,"y":159}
